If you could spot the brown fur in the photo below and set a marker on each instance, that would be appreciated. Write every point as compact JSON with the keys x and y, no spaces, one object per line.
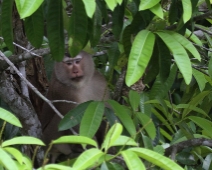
{"x":91,"y":86}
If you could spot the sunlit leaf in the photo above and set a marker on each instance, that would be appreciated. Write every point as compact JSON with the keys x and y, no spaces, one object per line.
{"x":111,"y":4}
{"x":9,"y":117}
{"x":88,"y":158}
{"x":181,"y":57}
{"x":27,"y":8}
{"x":187,"y":10}
{"x":146,"y":4}
{"x":75,"y":140}
{"x":140,"y":55}
{"x":7,"y":161}
{"x":156,"y":158}
{"x":23,"y":140}
{"x":90,"y":6}
{"x":132,"y":160}
{"x":157,"y":10}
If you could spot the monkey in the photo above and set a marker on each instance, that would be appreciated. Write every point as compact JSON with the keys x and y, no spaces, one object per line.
{"x":73,"y":79}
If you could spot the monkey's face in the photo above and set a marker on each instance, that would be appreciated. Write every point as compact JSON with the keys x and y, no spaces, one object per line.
{"x":75,"y":72}
{"x":74,"y":68}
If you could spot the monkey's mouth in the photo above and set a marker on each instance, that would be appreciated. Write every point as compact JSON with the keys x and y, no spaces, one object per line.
{"x":77,"y":78}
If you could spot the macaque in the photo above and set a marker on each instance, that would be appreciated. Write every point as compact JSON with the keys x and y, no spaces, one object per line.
{"x":73,"y":79}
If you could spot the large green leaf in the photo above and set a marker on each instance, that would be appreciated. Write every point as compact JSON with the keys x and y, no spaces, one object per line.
{"x":7,"y":161}
{"x":92,"y":119}
{"x":23,"y":140}
{"x":146,"y":4}
{"x":156,"y":158}
{"x":9,"y":117}
{"x":112,"y":135}
{"x":132,"y":160}
{"x":200,"y":78}
{"x":26,"y":7}
{"x":6,"y":23}
{"x":124,"y":116}
{"x":186,"y":44}
{"x":34,"y":27}
{"x":78,"y":28}
{"x":73,"y":117}
{"x":181,"y":57}
{"x":76,"y":140}
{"x":187,"y":10}
{"x":88,"y":158}
{"x":140,"y":55}
{"x":203,"y":123}
{"x":55,"y":30}
{"x":90,"y":6}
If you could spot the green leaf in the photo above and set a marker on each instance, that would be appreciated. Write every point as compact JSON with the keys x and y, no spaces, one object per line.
{"x":76,"y":140}
{"x":146,"y":4}
{"x":189,"y":108}
{"x":15,"y":153}
{"x":28,"y":140}
{"x":118,"y":20}
{"x":132,"y":160}
{"x":55,"y":29}
{"x":193,"y":37}
{"x":9,"y":117}
{"x":124,"y":140}
{"x":157,"y":10}
{"x":88,"y":158}
{"x":55,"y":167}
{"x":6,"y":23}
{"x":164,"y":61}
{"x":27,"y":8}
{"x":186,"y":44}
{"x":134,"y":99}
{"x":148,"y":125}
{"x":203,"y":123}
{"x":126,"y":39}
{"x":92,"y":119}
{"x":181,"y":57}
{"x":200,"y":78}
{"x":96,"y":27}
{"x":187,"y":10}
{"x":140,"y":55}
{"x":73,"y":117}
{"x":124,"y":116}
{"x":112,"y":135}
{"x":34,"y":27}
{"x":78,"y":28}
{"x":7,"y":161}
{"x":156,"y":158}
{"x":210,"y":67}
{"x":173,"y":12}
{"x":111,"y":4}
{"x":90,"y":6}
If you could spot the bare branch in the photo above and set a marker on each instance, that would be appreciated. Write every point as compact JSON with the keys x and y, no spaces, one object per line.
{"x":176,"y":148}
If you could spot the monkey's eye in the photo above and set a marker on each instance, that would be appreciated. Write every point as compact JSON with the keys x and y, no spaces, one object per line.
{"x":77,"y":61}
{"x":69,"y":63}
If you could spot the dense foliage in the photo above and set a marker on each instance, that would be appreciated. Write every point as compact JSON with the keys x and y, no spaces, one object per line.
{"x":164,"y":45}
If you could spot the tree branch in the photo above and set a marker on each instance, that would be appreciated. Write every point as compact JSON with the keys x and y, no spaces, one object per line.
{"x":174,"y":149}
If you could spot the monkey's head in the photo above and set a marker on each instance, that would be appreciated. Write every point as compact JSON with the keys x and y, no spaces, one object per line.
{"x":75,"y":71}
